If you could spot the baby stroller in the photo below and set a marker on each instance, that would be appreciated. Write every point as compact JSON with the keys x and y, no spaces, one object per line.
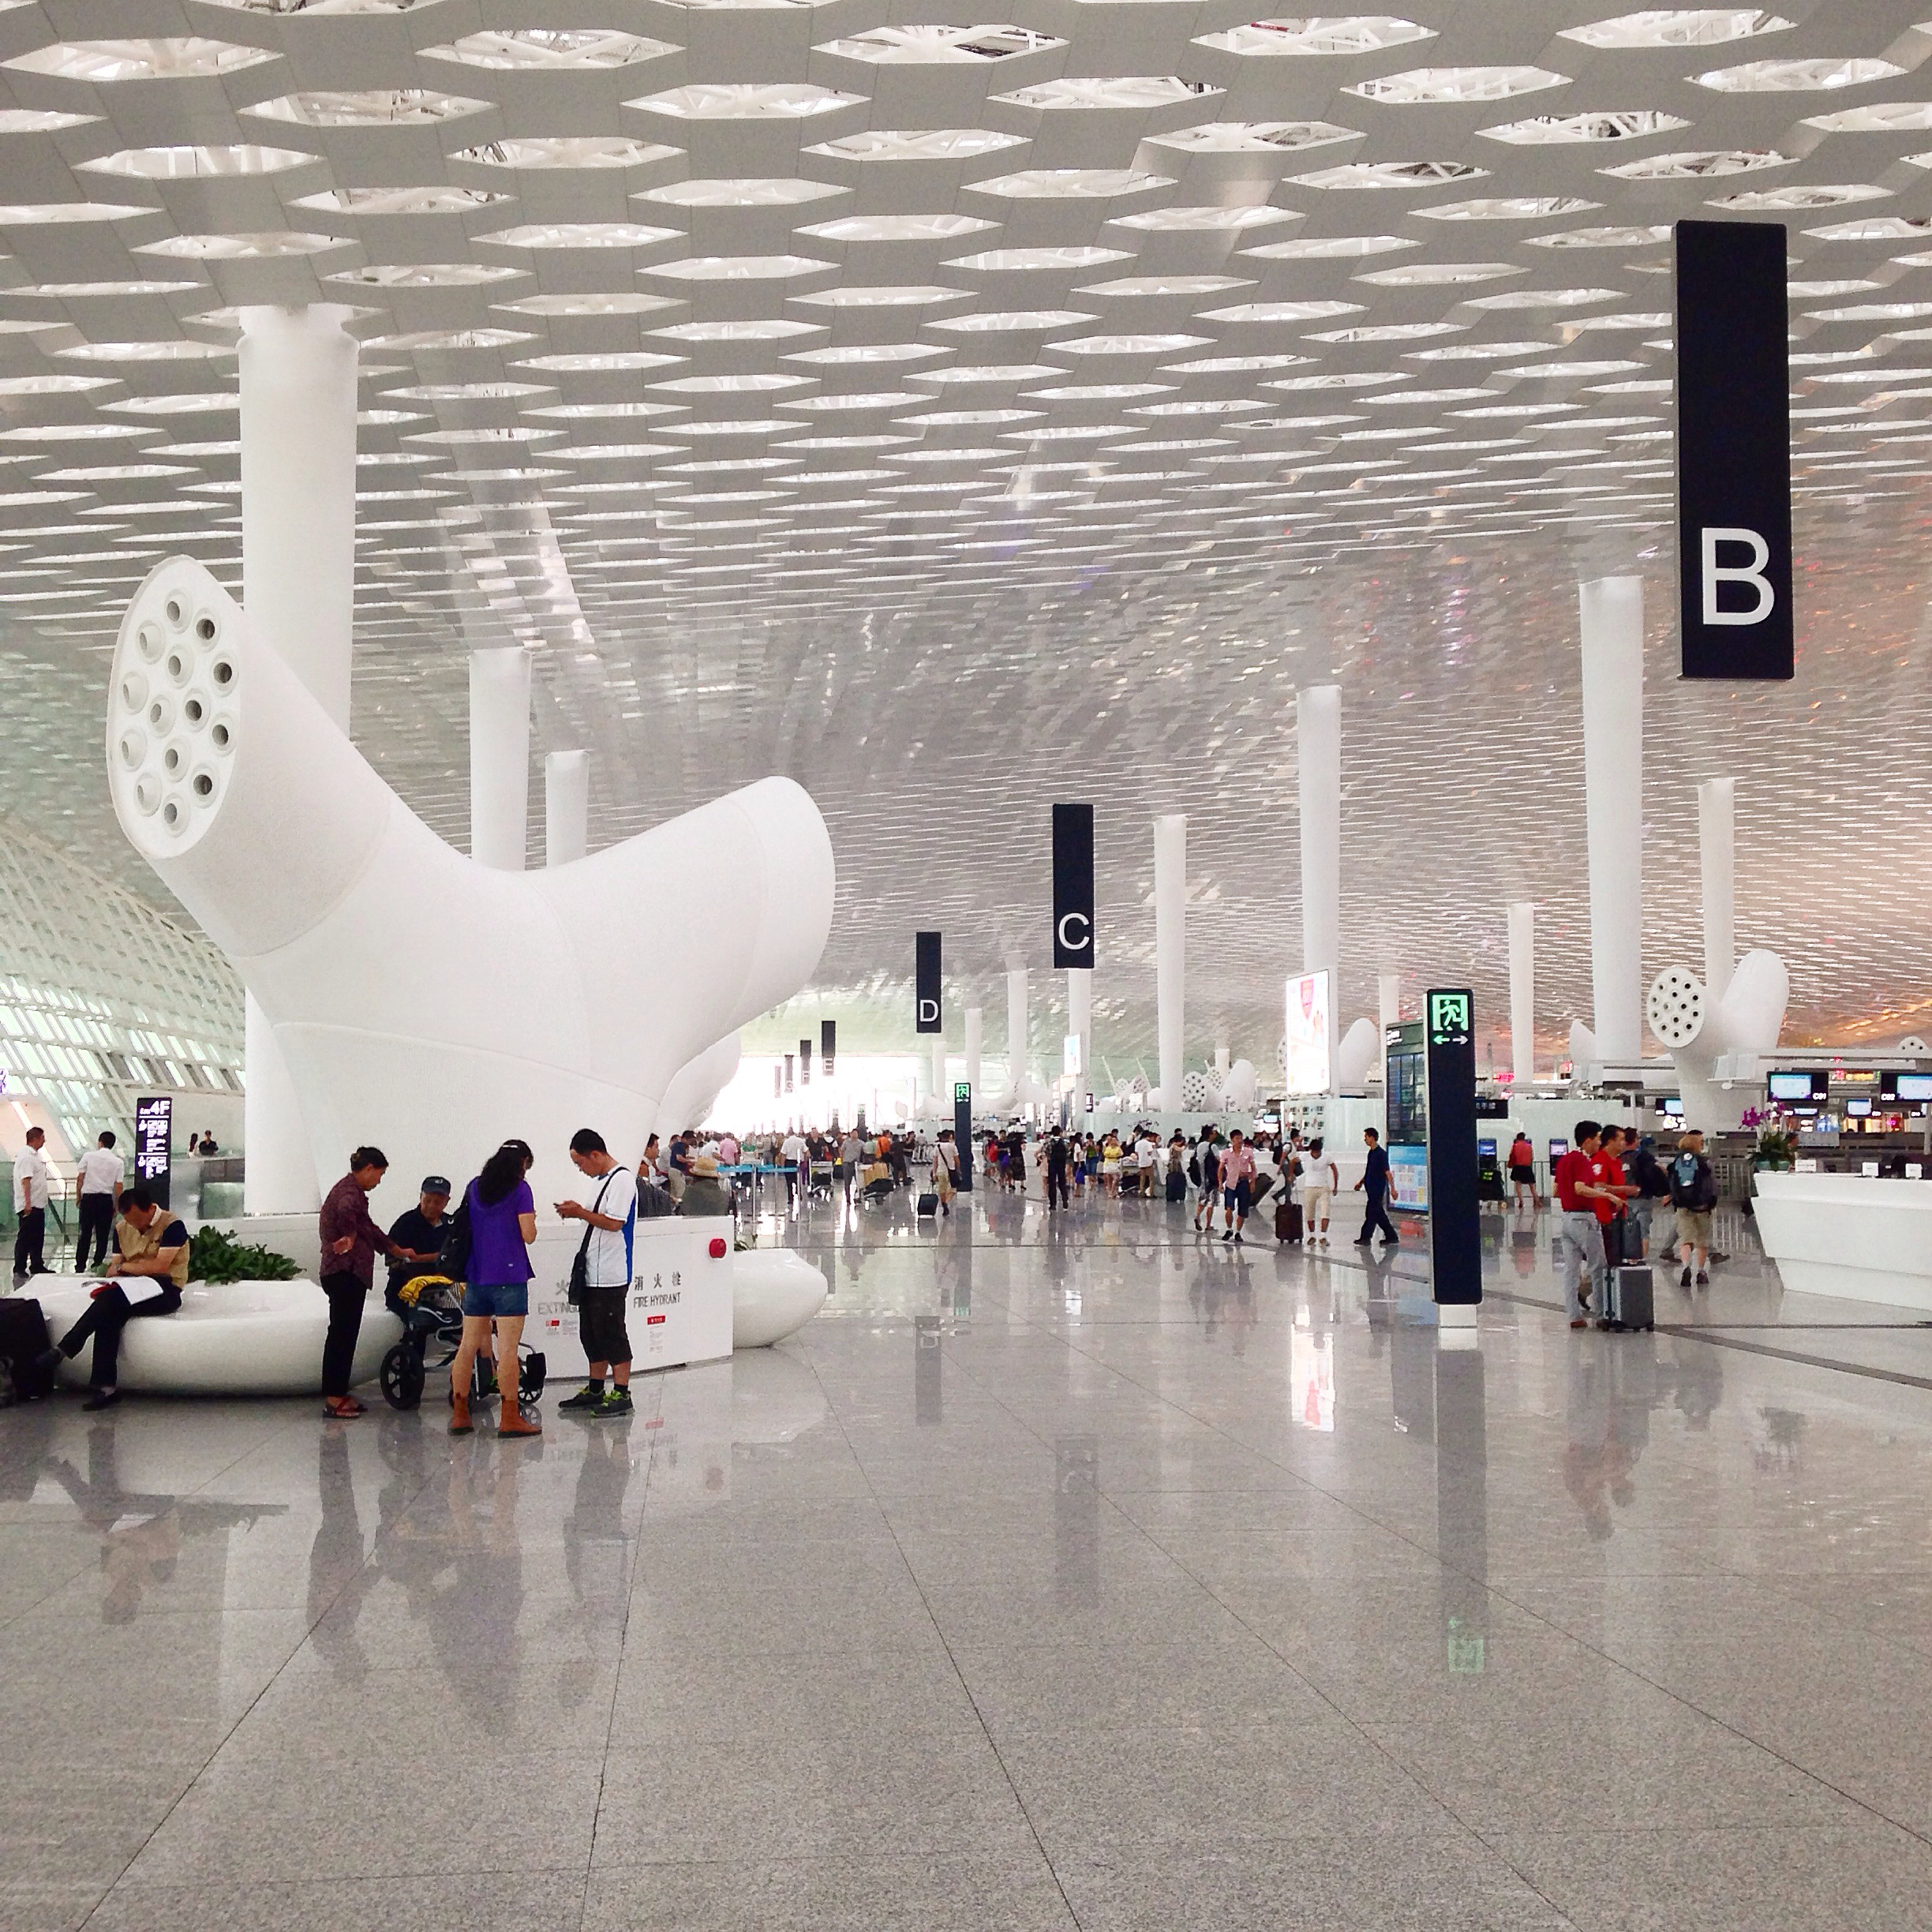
{"x":433,"y":1314}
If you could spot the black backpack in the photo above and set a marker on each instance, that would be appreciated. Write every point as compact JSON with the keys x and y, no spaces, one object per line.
{"x":453,"y":1257}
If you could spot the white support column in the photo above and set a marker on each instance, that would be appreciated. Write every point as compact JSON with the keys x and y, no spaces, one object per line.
{"x":1523,"y":990}
{"x":1611,"y":611}
{"x":973,"y":1024}
{"x":1017,"y":1048}
{"x":566,"y":807}
{"x":1718,"y":858}
{"x":1318,"y":758}
{"x":939,"y":1094}
{"x":1171,"y":953}
{"x":1080,"y":1020}
{"x":500,"y":730}
{"x":1388,"y":1000}
{"x":298,"y":449}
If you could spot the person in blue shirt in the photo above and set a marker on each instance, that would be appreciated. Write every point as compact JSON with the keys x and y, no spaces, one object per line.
{"x":1379,"y":1186}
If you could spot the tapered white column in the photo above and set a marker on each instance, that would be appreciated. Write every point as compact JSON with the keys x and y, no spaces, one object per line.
{"x":566,"y":807}
{"x":1080,"y":1020}
{"x":1388,"y":1000}
{"x":1522,"y":989}
{"x":973,"y":1028}
{"x":1170,"y":952}
{"x":1015,"y":1026}
{"x":1718,"y":859}
{"x":500,"y":727}
{"x":298,"y":446}
{"x":1318,"y":757}
{"x":1611,"y":611}
{"x":298,"y":449}
{"x":939,"y":1094}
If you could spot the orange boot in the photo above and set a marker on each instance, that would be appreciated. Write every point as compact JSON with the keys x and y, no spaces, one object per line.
{"x":516,"y":1420}
{"x":460,"y":1424}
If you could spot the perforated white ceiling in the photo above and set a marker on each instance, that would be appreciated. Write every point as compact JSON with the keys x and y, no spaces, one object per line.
{"x":961,"y":412}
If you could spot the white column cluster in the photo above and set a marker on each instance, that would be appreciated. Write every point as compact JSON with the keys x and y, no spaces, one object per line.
{"x":1522,"y":989}
{"x":566,"y":807}
{"x":1717,"y":861}
{"x":1170,"y":952}
{"x":1611,"y":611}
{"x":974,"y":1026}
{"x":1015,"y":1026}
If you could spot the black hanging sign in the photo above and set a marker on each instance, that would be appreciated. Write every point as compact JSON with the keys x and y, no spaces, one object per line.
{"x":827,"y":1045}
{"x":154,"y":1142}
{"x":1073,"y":885}
{"x":1734,"y":487}
{"x":926,"y":1009}
{"x":804,"y":1063}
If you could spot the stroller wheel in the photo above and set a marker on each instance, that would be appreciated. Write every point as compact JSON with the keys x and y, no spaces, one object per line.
{"x":402,"y":1377}
{"x":531,"y":1373}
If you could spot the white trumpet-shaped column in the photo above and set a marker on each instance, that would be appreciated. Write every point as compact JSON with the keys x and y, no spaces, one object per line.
{"x":1388,"y":1000}
{"x":566,"y":807}
{"x":974,"y":1029}
{"x":499,"y":734}
{"x":504,"y":1003}
{"x":298,"y":449}
{"x":1079,"y":1025}
{"x":1170,"y":952}
{"x":1611,"y":612}
{"x":1016,"y":1027}
{"x":940,"y":1096}
{"x":1318,"y":757}
{"x":298,"y":452}
{"x":1522,"y":989}
{"x":1717,"y":861}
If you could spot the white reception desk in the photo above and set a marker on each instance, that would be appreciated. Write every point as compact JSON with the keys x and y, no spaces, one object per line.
{"x":1851,"y":1236}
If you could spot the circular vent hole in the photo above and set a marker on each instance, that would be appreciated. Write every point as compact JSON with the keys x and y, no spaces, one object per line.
{"x":192,"y":712}
{"x":148,"y":792}
{"x":204,"y":629}
{"x":171,"y":760}
{"x":133,"y":690}
{"x":170,"y":814}
{"x":219,"y":734}
{"x":224,"y":671}
{"x":175,"y":614}
{"x":204,"y":785}
{"x":147,"y":639}
{"x":133,"y":749}
{"x":177,"y":666}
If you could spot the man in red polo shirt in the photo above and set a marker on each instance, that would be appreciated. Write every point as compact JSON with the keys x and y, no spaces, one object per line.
{"x":1616,"y":1192}
{"x":1578,"y":1192}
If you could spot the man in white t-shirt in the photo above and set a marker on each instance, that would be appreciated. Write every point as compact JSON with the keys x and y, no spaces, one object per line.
{"x":1143,"y":1162}
{"x":797,"y":1158}
{"x":97,"y":1185}
{"x":610,"y":1224}
{"x":33,"y":1184}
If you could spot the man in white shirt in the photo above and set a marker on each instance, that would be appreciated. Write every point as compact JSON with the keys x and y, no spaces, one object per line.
{"x":97,"y":1185}
{"x":1144,"y":1164}
{"x":796,"y":1157}
{"x":610,"y":1224}
{"x":33,"y":1181}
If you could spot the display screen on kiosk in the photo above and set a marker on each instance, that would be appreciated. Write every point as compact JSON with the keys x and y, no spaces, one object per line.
{"x":1858,"y":1110}
{"x":1799,"y":1085}
{"x":1905,"y":1085}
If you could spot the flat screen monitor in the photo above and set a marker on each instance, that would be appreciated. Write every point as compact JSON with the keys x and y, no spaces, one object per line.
{"x":1858,"y":1110}
{"x":1671,"y":1106}
{"x":1305,"y":1036}
{"x":1485,"y":1150}
{"x":1908,"y":1086}
{"x":1801,"y":1085}
{"x":1557,"y":1149}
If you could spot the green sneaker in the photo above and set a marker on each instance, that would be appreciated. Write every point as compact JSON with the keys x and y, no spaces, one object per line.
{"x":585,"y":1397}
{"x":617,"y":1403}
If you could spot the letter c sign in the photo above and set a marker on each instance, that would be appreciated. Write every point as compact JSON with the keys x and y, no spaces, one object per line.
{"x":1075,"y":931}
{"x":1712,"y":575}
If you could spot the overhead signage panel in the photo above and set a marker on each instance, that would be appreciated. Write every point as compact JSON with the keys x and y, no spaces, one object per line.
{"x":1734,"y":519}
{"x":926,"y":990}
{"x":1073,"y":885}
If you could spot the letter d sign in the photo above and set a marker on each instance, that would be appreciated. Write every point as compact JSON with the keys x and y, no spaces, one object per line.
{"x":925,"y":982}
{"x":1734,"y":543}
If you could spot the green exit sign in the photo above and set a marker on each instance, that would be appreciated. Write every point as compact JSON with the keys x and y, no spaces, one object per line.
{"x":1449,"y":1019}
{"x":960,"y":1092}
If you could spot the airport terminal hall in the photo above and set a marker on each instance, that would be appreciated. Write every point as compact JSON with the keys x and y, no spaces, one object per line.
{"x":965,"y":972}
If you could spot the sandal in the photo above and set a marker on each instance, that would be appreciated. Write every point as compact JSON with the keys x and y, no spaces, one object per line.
{"x":340,"y":1408}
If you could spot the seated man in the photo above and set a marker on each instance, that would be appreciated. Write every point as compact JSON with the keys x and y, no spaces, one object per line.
{"x":418,"y":1232}
{"x":154,"y":1258}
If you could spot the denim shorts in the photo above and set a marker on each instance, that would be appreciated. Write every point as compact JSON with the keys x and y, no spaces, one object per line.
{"x":483,"y":1299}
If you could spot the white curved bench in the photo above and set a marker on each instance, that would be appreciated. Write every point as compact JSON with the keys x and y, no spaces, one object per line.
{"x":241,"y":1338}
{"x":775,"y":1292}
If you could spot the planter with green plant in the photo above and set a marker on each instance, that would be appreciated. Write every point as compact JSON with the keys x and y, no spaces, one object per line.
{"x":216,"y":1257}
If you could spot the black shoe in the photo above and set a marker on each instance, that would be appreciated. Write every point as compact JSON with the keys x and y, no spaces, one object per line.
{"x":585,"y":1397}
{"x":1363,"y":1241}
{"x":1703,"y":1280}
{"x":1683,"y":1280}
{"x":47,"y":1364}
{"x":1229,"y":1236}
{"x":102,"y":1398}
{"x":617,"y":1403}
{"x":1238,"y":1241}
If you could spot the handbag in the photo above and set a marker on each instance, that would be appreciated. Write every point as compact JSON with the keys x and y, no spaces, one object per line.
{"x":580,"y":1264}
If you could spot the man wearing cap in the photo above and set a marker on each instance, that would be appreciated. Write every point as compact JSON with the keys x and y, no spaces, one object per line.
{"x":419,"y":1234}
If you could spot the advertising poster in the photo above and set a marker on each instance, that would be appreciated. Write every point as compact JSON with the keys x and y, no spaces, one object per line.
{"x":1306,"y":1034}
{"x":1409,"y":1171}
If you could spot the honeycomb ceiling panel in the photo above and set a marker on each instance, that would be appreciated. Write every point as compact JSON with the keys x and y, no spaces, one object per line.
{"x":964,"y":410}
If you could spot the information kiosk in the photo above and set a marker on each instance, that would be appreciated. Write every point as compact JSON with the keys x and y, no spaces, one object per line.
{"x":1456,"y":1234}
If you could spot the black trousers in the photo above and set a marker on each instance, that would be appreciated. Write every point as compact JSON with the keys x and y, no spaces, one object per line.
{"x":1377,"y":1217}
{"x":29,"y":1242}
{"x":106,"y":1315}
{"x":346,"y":1294}
{"x":1057,"y":1184}
{"x":96,"y":1223}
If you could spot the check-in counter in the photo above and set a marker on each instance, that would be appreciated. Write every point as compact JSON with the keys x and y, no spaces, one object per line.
{"x":1850,"y":1236}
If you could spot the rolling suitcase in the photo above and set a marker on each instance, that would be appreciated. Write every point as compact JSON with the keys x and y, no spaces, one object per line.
{"x":1631,"y":1302}
{"x":926,"y":1206}
{"x":1177,"y":1185}
{"x":1287,"y":1219}
{"x":23,"y":1340}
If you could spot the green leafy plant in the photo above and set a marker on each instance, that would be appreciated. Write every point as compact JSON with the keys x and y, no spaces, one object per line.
{"x":1774,"y":1148}
{"x":215,"y":1256}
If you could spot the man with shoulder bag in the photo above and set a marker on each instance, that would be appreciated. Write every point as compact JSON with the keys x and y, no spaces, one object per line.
{"x":600,"y":1275}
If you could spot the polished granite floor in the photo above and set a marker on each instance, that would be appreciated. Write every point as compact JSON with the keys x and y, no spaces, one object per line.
{"x":1062,"y":1573}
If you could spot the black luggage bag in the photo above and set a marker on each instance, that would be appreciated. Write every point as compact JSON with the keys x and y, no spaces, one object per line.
{"x":1177,"y":1185}
{"x":1287,"y":1219}
{"x":926,"y":1206}
{"x":23,"y":1340}
{"x":1630,"y":1295}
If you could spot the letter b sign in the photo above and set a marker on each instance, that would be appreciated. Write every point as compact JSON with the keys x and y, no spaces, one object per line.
{"x":1749,"y":576}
